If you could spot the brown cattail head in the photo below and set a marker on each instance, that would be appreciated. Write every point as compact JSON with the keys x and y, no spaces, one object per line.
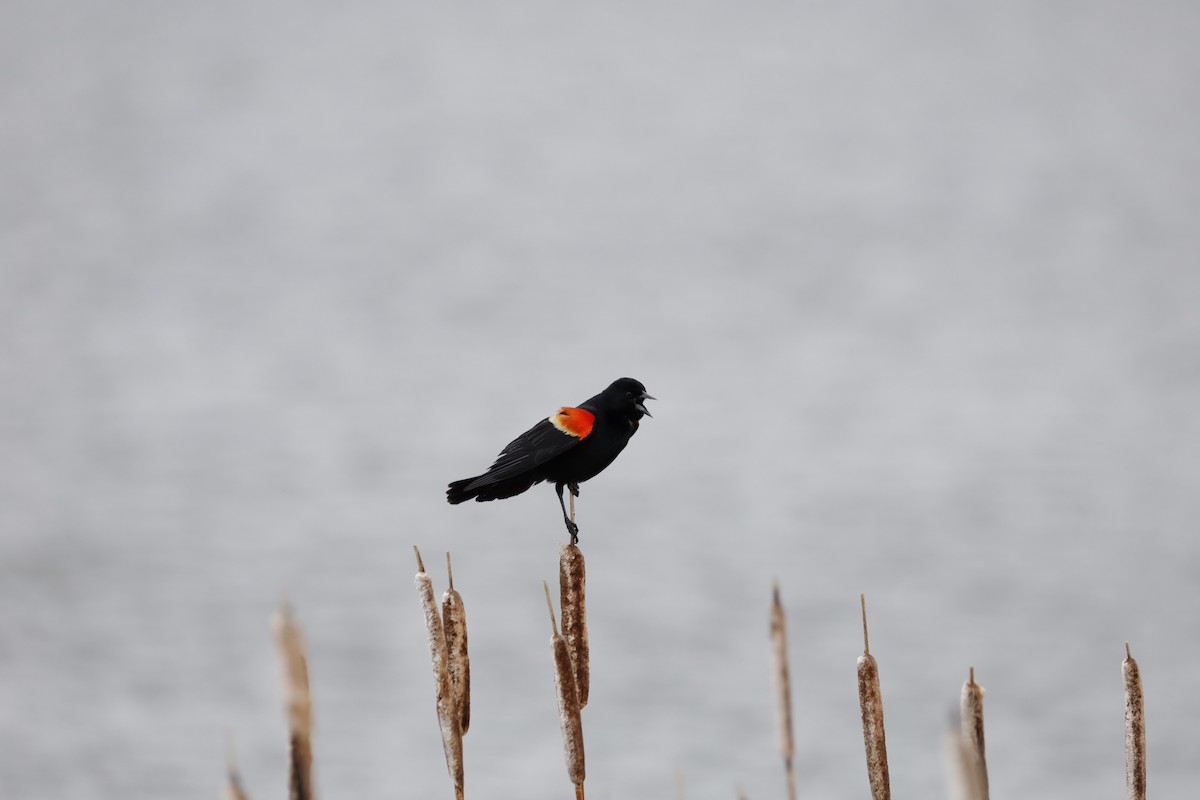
{"x":290,"y":642}
{"x":1135,"y":729}
{"x":435,"y":635}
{"x":458,"y":662}
{"x":568,"y":702}
{"x":448,"y":717}
{"x":974,"y":754}
{"x":870,"y":699}
{"x":961,"y":769}
{"x":572,"y":586}
{"x":783,"y":688}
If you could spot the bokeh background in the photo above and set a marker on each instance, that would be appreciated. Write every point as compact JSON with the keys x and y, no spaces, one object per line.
{"x":916,"y":285}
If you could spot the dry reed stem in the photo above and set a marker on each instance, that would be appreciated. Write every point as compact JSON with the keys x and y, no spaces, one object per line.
{"x":783,"y":689}
{"x":298,"y":702}
{"x":568,"y":702}
{"x":454,"y":624}
{"x":572,"y":585}
{"x":448,"y":719}
{"x":871,"y":701}
{"x":971,"y":729}
{"x":233,"y":788}
{"x":1135,"y":729}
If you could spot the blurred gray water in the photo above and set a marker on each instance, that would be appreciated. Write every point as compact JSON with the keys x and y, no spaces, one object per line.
{"x":916,"y":285}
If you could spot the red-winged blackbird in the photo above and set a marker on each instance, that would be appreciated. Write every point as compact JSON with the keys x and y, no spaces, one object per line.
{"x":569,"y":447}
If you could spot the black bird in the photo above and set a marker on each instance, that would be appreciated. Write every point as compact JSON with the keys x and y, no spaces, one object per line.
{"x":572,"y":445}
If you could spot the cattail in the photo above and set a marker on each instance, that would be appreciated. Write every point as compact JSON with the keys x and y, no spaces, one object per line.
{"x":290,"y":643}
{"x":871,"y":701}
{"x":1135,"y":729}
{"x":568,"y":703}
{"x":448,"y":719}
{"x":783,"y":689}
{"x":971,"y":728}
{"x":233,"y":787}
{"x":572,"y":583}
{"x":962,"y":769}
{"x":454,"y":623}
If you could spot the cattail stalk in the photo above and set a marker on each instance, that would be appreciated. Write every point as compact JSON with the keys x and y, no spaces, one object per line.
{"x":783,"y":689}
{"x":448,"y":719}
{"x":298,"y":702}
{"x":568,"y":703}
{"x":971,"y":728}
{"x":871,"y":701}
{"x":1135,"y":729}
{"x":572,"y":585}
{"x":458,"y":662}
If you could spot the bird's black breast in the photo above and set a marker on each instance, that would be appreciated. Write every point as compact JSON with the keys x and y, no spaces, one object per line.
{"x":588,"y":458}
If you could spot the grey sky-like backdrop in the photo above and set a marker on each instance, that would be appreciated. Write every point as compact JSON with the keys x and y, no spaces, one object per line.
{"x":916,"y":285}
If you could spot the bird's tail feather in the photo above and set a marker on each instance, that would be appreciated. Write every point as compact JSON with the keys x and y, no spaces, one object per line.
{"x":458,"y":492}
{"x":483,"y":490}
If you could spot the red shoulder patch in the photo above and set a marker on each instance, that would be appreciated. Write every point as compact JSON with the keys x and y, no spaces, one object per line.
{"x":573,"y":421}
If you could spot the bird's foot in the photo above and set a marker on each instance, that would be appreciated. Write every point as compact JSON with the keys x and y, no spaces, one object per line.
{"x":573,"y":529}
{"x":574,"y":489}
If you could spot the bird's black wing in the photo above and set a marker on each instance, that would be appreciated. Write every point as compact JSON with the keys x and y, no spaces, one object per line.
{"x":528,"y":451}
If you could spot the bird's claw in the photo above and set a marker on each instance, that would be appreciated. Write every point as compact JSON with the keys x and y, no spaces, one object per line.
{"x":573,"y":529}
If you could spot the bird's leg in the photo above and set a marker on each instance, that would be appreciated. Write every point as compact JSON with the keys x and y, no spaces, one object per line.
{"x":572,"y":528}
{"x":573,"y":488}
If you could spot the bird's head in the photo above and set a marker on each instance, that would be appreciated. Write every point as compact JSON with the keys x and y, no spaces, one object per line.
{"x":630,"y":396}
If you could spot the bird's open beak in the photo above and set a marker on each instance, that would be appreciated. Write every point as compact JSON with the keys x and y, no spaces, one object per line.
{"x":641,"y":404}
